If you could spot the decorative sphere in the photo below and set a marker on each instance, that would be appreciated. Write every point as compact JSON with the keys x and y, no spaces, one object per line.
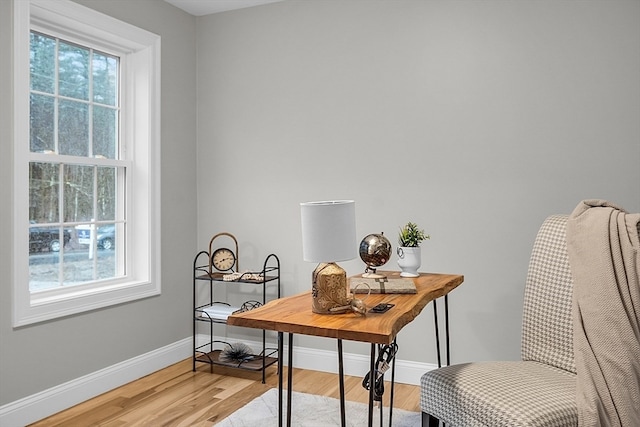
{"x":375,"y":250}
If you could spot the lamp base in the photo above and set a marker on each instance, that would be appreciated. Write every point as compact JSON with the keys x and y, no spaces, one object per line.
{"x":330,"y":289}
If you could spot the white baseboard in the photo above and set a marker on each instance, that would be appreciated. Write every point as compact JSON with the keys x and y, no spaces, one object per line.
{"x":406,"y":371}
{"x":48,"y":402}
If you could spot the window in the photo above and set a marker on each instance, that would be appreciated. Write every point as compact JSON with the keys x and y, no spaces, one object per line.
{"x":86,"y":153}
{"x":77,"y":175}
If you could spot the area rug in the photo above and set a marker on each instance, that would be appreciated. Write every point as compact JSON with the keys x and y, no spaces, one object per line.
{"x":309,"y":410}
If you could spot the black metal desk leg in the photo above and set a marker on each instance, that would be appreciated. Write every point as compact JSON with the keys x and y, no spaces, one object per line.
{"x":280,"y":375}
{"x":343,"y":418}
{"x":380,"y":349}
{"x":264,"y":357}
{"x":381,"y":402}
{"x":372,"y":382}
{"x":446,"y":324}
{"x":290,"y":380}
{"x":393,"y":383}
{"x":435,"y":321}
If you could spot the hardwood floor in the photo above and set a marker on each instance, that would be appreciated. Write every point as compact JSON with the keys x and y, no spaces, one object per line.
{"x":177,"y":396}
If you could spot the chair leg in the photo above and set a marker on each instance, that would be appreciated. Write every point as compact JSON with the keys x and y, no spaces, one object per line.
{"x":429,"y":420}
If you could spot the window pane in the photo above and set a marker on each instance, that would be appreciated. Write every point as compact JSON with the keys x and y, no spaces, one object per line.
{"x":43,"y":63}
{"x":73,"y":128}
{"x":78,"y":193}
{"x":96,"y":257}
{"x":73,"y":69}
{"x":44,"y":263}
{"x":106,"y":253}
{"x":105,"y":79}
{"x":80,"y":267}
{"x":106,"y":194}
{"x":44,"y":188}
{"x":47,"y":239}
{"x":104,"y":132}
{"x":41,"y":123}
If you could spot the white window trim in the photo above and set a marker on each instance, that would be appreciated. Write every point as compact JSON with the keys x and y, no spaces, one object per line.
{"x":143,"y":253}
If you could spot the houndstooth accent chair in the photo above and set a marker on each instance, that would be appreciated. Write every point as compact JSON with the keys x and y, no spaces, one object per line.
{"x":539,"y":390}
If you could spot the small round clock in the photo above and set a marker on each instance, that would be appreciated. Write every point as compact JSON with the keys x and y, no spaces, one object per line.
{"x":223,"y":259}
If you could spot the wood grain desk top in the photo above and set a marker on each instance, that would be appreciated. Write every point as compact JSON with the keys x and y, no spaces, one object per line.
{"x":293,"y":314}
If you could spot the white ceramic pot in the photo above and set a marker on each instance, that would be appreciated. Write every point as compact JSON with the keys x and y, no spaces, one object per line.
{"x":409,"y":260}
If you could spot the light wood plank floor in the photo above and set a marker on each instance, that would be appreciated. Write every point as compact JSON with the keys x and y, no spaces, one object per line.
{"x":177,"y":396}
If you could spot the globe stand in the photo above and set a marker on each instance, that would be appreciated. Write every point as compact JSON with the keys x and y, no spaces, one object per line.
{"x":370,"y":273}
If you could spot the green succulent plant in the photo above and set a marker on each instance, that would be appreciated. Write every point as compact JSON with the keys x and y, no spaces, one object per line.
{"x":410,"y":235}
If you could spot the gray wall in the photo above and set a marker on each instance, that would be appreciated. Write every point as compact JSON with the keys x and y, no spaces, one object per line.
{"x":41,"y":356}
{"x":475,"y":119}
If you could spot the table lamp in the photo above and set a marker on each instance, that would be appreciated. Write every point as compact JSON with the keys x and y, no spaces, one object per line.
{"x":329,"y":236}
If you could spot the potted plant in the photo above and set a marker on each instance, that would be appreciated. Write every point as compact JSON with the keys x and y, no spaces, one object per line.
{"x":410,"y":256}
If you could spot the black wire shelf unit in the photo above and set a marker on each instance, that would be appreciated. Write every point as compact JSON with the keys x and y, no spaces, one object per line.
{"x":203,"y":274}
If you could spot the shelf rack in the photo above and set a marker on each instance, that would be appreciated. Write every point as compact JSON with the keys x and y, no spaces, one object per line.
{"x":204,"y":273}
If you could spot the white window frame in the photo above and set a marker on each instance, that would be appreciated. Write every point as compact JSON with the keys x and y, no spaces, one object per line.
{"x":140,"y":134}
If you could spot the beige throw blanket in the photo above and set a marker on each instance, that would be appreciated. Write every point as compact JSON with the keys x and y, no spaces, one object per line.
{"x":604,"y":253}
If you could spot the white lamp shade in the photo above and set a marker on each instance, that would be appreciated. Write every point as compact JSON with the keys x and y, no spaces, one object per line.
{"x":328,"y":231}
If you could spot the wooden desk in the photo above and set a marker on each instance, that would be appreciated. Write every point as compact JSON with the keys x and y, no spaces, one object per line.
{"x":293,"y":315}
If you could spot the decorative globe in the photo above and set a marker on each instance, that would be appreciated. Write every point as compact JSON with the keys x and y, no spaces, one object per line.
{"x":375,"y":250}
